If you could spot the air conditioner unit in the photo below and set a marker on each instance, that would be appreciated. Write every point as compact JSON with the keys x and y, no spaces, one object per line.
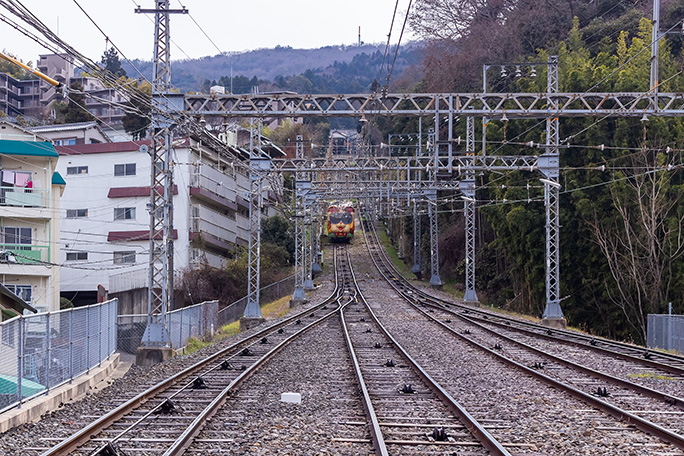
{"x":7,"y":257}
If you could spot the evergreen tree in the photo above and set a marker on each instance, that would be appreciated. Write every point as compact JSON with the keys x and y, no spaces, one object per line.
{"x":75,"y":109}
{"x":112,"y":64}
{"x":137,"y":120}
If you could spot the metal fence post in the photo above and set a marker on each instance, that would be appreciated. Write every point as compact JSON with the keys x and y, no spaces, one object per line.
{"x":87,"y":339}
{"x":670,"y":342}
{"x":20,"y":359}
{"x":99,"y":335}
{"x":115,"y":335}
{"x":109,"y":329}
{"x":47,"y":350}
{"x":71,"y":346}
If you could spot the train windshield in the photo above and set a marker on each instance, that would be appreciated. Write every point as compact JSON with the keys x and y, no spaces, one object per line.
{"x":340,"y":217}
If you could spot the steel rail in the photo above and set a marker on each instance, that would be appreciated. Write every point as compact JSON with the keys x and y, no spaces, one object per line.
{"x":376,"y":432}
{"x":471,"y":424}
{"x":185,"y":440}
{"x":621,"y":350}
{"x":85,"y":434}
{"x":659,"y":395}
{"x":623,"y":415}
{"x":638,"y":354}
{"x":643,"y":355}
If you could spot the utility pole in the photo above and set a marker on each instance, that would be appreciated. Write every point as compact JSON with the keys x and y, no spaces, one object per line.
{"x":155,"y":343}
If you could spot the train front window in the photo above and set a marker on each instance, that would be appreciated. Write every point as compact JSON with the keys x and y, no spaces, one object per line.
{"x":346,"y":218}
{"x":335,"y":218}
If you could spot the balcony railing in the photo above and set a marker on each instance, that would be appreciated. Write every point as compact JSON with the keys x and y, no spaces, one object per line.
{"x":24,"y":197}
{"x":24,"y":253}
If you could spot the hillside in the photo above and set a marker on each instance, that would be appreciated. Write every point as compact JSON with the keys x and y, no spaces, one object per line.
{"x":281,"y":63}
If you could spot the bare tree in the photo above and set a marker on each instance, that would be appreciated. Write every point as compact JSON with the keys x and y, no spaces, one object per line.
{"x":642,"y":241}
{"x":450,"y":19}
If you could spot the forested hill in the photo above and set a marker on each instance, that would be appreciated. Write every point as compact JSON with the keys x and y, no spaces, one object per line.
{"x":337,"y":69}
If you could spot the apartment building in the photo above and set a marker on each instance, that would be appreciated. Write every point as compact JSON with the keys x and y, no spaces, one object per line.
{"x":30,"y":194}
{"x":105,"y":226}
{"x":19,"y":97}
{"x":72,"y":134}
{"x":34,"y":98}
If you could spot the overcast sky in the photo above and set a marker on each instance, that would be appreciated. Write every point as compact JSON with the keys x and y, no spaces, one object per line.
{"x":231,"y":25}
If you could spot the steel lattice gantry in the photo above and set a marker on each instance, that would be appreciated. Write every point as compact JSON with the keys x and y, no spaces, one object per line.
{"x":550,"y":169}
{"x":550,"y":105}
{"x":259,"y":167}
{"x":467,"y":187}
{"x":301,"y":186}
{"x":490,"y":105}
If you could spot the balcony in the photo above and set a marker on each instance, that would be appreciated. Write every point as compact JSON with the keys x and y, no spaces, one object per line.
{"x":23,"y":197}
{"x":215,"y":181}
{"x":24,"y":253}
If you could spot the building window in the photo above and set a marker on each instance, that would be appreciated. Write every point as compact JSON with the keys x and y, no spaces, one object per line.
{"x":75,"y":256}
{"x":124,"y":257}
{"x":65,"y":142}
{"x":77,"y":170}
{"x":124,"y":213}
{"x":23,"y":291}
{"x":127,"y":169}
{"x":16,"y":238}
{"x":74,"y":213}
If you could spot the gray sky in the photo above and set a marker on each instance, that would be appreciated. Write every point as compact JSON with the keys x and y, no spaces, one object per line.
{"x":232,"y":25}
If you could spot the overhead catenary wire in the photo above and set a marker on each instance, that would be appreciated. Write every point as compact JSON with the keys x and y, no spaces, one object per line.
{"x":396,"y":51}
{"x":389,"y":35}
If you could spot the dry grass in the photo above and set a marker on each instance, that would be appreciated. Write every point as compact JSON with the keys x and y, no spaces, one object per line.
{"x":277,"y":308}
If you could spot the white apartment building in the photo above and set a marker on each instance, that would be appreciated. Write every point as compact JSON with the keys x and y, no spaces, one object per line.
{"x":105,"y":223}
{"x":30,"y":193}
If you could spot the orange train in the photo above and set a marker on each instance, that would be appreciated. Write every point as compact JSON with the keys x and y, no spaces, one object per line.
{"x":340,"y":223}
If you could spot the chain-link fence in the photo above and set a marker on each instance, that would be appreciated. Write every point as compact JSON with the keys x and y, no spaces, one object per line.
{"x":182,"y":324}
{"x":195,"y":321}
{"x":666,"y":332}
{"x":42,"y":351}
{"x":234,"y":311}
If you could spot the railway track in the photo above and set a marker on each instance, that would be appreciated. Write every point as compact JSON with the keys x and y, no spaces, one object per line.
{"x":408,"y":411}
{"x":656,"y":359}
{"x":402,"y":412}
{"x":658,"y":413}
{"x":380,"y":374}
{"x":156,"y":420}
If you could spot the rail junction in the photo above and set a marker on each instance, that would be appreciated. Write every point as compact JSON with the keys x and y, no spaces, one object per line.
{"x":382,"y":366}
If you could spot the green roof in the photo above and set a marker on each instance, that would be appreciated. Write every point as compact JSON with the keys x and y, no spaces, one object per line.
{"x":32,"y":148}
{"x":57,"y":179}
